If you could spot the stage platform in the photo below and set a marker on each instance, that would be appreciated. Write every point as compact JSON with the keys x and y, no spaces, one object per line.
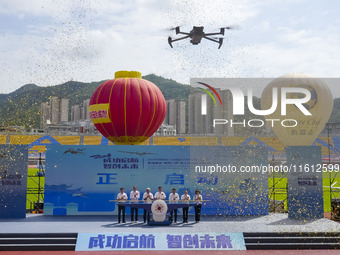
{"x":38,"y":223}
{"x":274,"y":231}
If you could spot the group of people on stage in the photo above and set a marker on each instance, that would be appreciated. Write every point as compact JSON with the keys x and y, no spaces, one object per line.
{"x":148,"y":197}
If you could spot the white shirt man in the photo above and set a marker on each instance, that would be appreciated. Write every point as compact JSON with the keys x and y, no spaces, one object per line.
{"x":122,"y":197}
{"x":134,"y":195}
{"x":148,"y":197}
{"x":173,"y":197}
{"x":185,"y":197}
{"x":160,"y":194}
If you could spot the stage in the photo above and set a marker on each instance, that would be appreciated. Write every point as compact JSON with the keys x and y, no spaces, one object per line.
{"x":38,"y":223}
{"x":273,"y":231}
{"x":67,"y":197}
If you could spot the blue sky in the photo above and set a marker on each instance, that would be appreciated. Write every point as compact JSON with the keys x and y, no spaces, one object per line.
{"x":49,"y":42}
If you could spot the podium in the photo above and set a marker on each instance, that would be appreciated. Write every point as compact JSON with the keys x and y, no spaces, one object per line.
{"x":147,"y":207}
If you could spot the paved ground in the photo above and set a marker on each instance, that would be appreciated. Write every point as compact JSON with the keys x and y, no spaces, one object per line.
{"x":36,"y":223}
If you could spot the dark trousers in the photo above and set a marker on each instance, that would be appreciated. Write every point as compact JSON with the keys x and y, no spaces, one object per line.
{"x":198,"y":209}
{"x":172,"y":213}
{"x":146,"y":213}
{"x":185,"y":214}
{"x":121,"y":209}
{"x":134,"y":212}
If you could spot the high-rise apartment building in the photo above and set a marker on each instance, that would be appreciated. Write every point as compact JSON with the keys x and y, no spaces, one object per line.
{"x":44,"y":114}
{"x":63,"y":110}
{"x":176,"y":115}
{"x":75,"y":112}
{"x":202,"y":124}
{"x":54,"y":112}
{"x":85,"y":109}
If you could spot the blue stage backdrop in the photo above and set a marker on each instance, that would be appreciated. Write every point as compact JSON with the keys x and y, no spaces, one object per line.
{"x":13,"y":180}
{"x":80,"y":180}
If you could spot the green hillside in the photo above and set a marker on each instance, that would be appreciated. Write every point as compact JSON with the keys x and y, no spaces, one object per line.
{"x":22,"y":107}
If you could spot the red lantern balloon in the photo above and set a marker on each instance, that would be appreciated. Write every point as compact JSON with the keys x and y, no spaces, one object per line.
{"x":128,"y":109}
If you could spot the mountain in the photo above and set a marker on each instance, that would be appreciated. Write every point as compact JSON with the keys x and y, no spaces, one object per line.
{"x":22,"y":107}
{"x":2,"y":97}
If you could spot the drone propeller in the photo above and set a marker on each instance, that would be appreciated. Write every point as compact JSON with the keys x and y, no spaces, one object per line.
{"x":231,"y":27}
{"x":217,"y":38}
{"x":177,"y":29}
{"x":222,"y":29}
{"x":172,"y":28}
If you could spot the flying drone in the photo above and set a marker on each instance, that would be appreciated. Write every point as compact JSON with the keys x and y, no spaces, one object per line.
{"x":196,"y":35}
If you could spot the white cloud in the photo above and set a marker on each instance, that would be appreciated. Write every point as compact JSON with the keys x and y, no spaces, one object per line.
{"x":89,"y":40}
{"x":48,"y":8}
